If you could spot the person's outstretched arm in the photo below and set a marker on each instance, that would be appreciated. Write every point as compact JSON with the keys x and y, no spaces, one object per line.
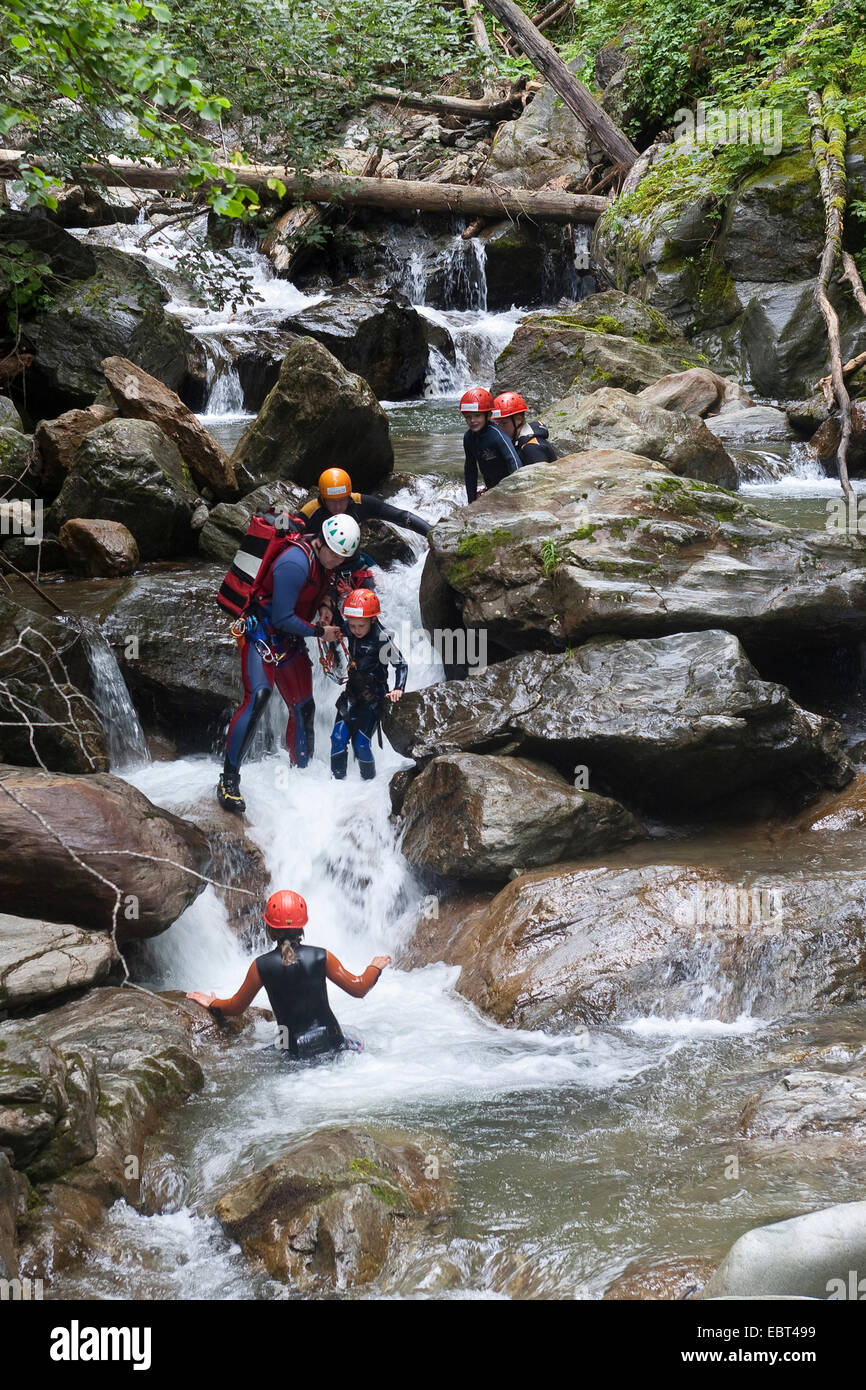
{"x":356,"y":985}
{"x":386,"y":511}
{"x":239,"y":1002}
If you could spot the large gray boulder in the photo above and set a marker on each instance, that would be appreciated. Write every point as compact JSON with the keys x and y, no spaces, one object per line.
{"x":117,"y":311}
{"x":9,"y":417}
{"x":47,"y":717}
{"x":327,"y":1214}
{"x":379,"y":337}
{"x":318,"y":415}
{"x":615,"y":419}
{"x":58,"y":440}
{"x":606,"y":542}
{"x":129,"y":471}
{"x":670,"y":722}
{"x":546,"y":143}
{"x":108,"y":858}
{"x":607,"y":339}
{"x":750,"y":425}
{"x":39,"y":960}
{"x":470,"y":816}
{"x":809,"y":1256}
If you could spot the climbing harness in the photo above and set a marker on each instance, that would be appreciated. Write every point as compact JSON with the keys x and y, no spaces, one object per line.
{"x":249,"y":629}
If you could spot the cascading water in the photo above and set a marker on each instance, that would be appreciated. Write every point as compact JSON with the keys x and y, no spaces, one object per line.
{"x":127,"y":745}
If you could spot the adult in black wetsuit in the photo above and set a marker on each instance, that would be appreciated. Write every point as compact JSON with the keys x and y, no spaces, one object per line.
{"x":370,"y":651}
{"x":530,"y":438}
{"x":487,"y":450}
{"x":295,"y":978}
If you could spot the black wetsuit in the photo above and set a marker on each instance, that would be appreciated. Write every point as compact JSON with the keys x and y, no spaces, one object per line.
{"x":360,"y":704}
{"x":533,"y":444}
{"x":363,"y":507}
{"x":491,"y":453}
{"x":298,"y":995}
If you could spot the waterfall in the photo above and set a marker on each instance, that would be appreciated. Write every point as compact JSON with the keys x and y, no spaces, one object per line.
{"x":126,"y":742}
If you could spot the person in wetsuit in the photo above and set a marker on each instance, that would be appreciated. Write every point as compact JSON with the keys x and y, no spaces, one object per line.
{"x":295,"y":978}
{"x":486,"y":449}
{"x":336,"y":498}
{"x":297,"y":603}
{"x":370,"y":651}
{"x":531,"y":439}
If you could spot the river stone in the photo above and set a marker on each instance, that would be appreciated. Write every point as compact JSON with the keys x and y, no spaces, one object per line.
{"x":81,"y":206}
{"x":546,"y":143}
{"x":58,"y":440}
{"x":785,"y":339}
{"x":805,"y":1104}
{"x":614,"y":419}
{"x":775,"y":222}
{"x":129,"y":471}
{"x":606,"y":542}
{"x":141,"y":1063}
{"x":327,"y":1213}
{"x":673,"y":1278}
{"x":588,"y":345}
{"x":674,"y":722}
{"x":808,"y":1256}
{"x":100,"y":548}
{"x":698,"y":391}
{"x":118,"y":311}
{"x":139,"y":396}
{"x":48,"y":1102}
{"x":317,"y":416}
{"x":824,"y":444}
{"x":47,"y":717}
{"x":100,"y":845}
{"x":665,"y":932}
{"x":13,"y":1204}
{"x":756,"y":424}
{"x":42,"y":959}
{"x":380,"y":337}
{"x":9,"y":417}
{"x":460,"y":820}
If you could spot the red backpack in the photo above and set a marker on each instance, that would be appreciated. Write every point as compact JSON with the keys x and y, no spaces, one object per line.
{"x":249,"y":574}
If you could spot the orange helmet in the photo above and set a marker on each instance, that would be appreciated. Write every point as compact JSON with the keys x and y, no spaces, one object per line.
{"x":509,"y":403}
{"x":361,"y":603}
{"x":476,"y":401}
{"x":286,"y":911}
{"x":335,"y":482}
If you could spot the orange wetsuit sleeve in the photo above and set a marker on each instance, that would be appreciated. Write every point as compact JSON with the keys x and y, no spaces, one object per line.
{"x":244,"y":997}
{"x":357,"y":985}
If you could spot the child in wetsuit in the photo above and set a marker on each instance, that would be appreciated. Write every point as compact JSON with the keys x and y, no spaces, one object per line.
{"x":370,"y":651}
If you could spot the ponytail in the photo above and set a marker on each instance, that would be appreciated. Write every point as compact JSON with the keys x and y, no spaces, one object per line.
{"x":287,"y":953}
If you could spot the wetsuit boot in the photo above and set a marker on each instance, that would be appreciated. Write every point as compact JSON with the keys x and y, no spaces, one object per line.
{"x":229,"y":789}
{"x":339,"y":750}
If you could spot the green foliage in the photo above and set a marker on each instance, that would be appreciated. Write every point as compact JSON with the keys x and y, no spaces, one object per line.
{"x":24,"y":283}
{"x":550,"y":557}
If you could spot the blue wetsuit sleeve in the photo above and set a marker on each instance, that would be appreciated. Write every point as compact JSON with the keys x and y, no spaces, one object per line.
{"x":291,"y":573}
{"x":470,"y":470}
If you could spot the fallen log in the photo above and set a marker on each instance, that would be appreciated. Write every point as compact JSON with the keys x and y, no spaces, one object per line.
{"x":576,"y":96}
{"x":498,"y":110}
{"x":828,"y":152}
{"x":543,"y":205}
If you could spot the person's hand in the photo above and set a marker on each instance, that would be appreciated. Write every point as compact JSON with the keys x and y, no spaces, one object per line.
{"x":394,"y":695}
{"x":331,"y":633}
{"x":380,"y":962}
{"x":199,"y":997}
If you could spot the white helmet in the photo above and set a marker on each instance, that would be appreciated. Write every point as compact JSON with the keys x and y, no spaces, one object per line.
{"x":342,"y":534}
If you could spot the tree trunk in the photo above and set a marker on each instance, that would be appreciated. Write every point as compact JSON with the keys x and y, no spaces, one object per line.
{"x":545,"y":205}
{"x":454,"y":106}
{"x":576,"y":96}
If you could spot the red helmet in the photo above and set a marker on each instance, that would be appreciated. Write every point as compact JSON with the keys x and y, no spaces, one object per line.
{"x":476,"y":401}
{"x":361,"y":603}
{"x":509,"y":403}
{"x":286,"y":911}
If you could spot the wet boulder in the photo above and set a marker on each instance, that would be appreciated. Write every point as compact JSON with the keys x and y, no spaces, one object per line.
{"x":809,"y":1256}
{"x":668,"y":931}
{"x":118,"y":311}
{"x":318,"y":415}
{"x":108,"y":858}
{"x":139,"y":396}
{"x":615,"y":419}
{"x":330,"y":1212}
{"x":82,"y":206}
{"x":101,"y":549}
{"x":379,"y":337}
{"x":43,"y":960}
{"x":606,"y":339}
{"x":698,"y":391}
{"x":9,"y":417}
{"x":605,"y":541}
{"x":67,"y":258}
{"x":824,"y":444}
{"x":672,"y":722}
{"x":525,"y":265}
{"x":129,"y":471}
{"x":47,"y":716}
{"x":47,"y":1103}
{"x":58,"y":441}
{"x":749,"y":425}
{"x":471,"y":816}
{"x":808,"y":1105}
